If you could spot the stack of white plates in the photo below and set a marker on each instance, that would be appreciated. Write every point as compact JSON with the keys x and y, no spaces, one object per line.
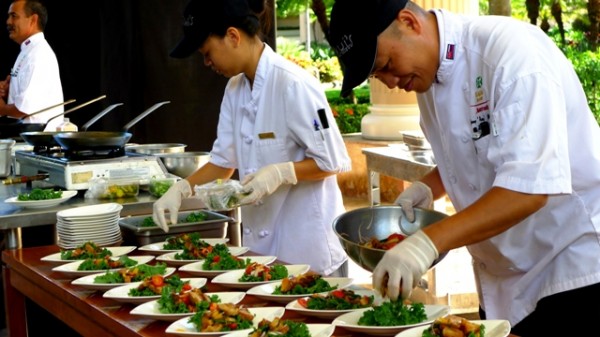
{"x":96,"y":223}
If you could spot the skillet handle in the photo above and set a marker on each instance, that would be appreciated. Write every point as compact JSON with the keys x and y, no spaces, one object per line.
{"x":78,"y":107}
{"x":144,"y":114}
{"x":99,"y":115}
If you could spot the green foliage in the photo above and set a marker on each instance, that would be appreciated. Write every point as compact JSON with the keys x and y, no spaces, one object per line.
{"x":586,"y":64}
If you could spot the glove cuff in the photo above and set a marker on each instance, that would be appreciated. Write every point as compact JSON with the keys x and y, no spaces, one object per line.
{"x":184,"y":187}
{"x":426,"y":251}
{"x":287,"y":173}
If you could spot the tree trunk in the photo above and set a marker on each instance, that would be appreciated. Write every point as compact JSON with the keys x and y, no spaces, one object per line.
{"x":499,"y":7}
{"x":533,"y":10}
{"x":594,"y":15}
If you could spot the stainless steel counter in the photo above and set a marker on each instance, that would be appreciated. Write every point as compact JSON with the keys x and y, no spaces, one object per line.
{"x":13,"y":218}
{"x":397,"y":162}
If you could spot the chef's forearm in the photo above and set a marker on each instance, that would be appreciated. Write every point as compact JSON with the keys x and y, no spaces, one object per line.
{"x":308,"y":169}
{"x":434,"y":181}
{"x":10,"y":110}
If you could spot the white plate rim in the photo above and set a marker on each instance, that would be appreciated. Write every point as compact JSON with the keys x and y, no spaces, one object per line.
{"x":500,"y":328}
{"x":87,"y":281}
{"x":148,"y":247}
{"x":315,"y":330}
{"x":71,"y":268}
{"x":120,"y":293}
{"x":328,"y":314}
{"x":116,"y":252}
{"x":195,"y":267}
{"x":349,"y":319}
{"x":90,"y":210}
{"x":266,"y":312}
{"x":144,"y":309}
{"x":170,"y":257}
{"x":265,"y":291}
{"x":226,"y":279}
{"x":66,"y":195}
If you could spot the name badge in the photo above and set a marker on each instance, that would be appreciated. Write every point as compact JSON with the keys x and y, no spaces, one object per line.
{"x":266,"y":135}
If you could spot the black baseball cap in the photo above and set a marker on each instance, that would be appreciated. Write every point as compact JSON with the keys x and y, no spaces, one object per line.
{"x":202,"y":18}
{"x":353,"y":31}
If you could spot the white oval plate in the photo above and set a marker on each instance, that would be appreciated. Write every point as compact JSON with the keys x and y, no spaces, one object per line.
{"x":184,"y":328}
{"x":151,"y":309}
{"x":66,"y":195}
{"x":157,"y":248}
{"x":265,"y":291}
{"x":231,"y":278}
{"x":314,"y":329}
{"x":493,"y":328}
{"x":70,"y":269}
{"x":196,"y":267}
{"x":329,"y":314}
{"x":349,"y":321}
{"x":121,"y":293}
{"x":91,"y":211}
{"x":170,"y":259}
{"x":116,"y":252}
{"x":88,"y":281}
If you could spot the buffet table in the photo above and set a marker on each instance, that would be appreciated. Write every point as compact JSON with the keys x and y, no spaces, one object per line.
{"x":13,"y":218}
{"x":85,"y":310}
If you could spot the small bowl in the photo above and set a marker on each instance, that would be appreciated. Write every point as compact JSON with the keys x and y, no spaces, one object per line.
{"x":357,"y":227}
{"x":185,"y":163}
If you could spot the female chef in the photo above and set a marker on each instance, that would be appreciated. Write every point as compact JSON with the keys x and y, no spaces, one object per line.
{"x":276,"y":128}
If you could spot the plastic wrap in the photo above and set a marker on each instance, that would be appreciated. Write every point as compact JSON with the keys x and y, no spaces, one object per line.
{"x":221,"y":194}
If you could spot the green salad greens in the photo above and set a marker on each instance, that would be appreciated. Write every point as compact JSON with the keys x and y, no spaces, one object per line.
{"x":133,"y":274}
{"x":268,"y":273}
{"x":294,"y":329}
{"x":319,"y":286}
{"x":40,"y":194}
{"x":88,"y":250}
{"x":393,"y":313}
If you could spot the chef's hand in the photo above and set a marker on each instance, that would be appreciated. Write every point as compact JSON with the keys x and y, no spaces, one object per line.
{"x":266,"y":180}
{"x":404,"y":266}
{"x":417,"y":194}
{"x":4,"y":85}
{"x":170,"y":201}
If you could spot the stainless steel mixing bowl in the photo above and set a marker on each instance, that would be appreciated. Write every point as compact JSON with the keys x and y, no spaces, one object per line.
{"x":183,"y":164}
{"x":356,"y":227}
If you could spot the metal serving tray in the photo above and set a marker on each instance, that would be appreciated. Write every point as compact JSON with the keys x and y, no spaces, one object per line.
{"x":215,"y":226}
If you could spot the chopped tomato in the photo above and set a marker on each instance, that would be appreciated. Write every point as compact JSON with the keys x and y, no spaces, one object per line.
{"x":303,"y":302}
{"x":216,"y":258}
{"x":158,"y":280}
{"x":338,"y":293}
{"x":186,"y":287}
{"x":233,"y":326}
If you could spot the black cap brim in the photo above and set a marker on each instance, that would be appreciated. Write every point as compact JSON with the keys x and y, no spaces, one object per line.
{"x":362,"y":61}
{"x":186,"y":47}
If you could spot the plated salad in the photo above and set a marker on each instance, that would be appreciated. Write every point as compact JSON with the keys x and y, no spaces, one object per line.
{"x":307,"y":283}
{"x":88,"y":250}
{"x":257,"y":272}
{"x":134,"y":274}
{"x":341,"y":299}
{"x":106,"y":262}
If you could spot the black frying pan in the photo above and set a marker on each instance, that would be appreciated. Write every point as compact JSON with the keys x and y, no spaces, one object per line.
{"x":98,"y":140}
{"x":46,"y":138}
{"x":12,"y":127}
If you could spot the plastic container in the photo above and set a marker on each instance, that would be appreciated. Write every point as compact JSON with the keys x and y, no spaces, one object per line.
{"x":106,"y":188}
{"x":159,"y":185}
{"x":66,"y":125}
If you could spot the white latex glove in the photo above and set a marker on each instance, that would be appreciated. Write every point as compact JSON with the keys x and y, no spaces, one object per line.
{"x":266,"y":180}
{"x":417,"y":194}
{"x":404,"y":264}
{"x":170,"y":201}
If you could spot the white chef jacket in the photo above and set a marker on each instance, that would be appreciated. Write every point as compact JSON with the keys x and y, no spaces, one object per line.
{"x":507,"y":110}
{"x":35,"y":82}
{"x":276,"y":121}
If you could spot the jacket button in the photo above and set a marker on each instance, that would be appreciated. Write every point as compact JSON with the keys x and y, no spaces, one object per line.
{"x":263,"y":233}
{"x":247,"y":231}
{"x":248,"y":140}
